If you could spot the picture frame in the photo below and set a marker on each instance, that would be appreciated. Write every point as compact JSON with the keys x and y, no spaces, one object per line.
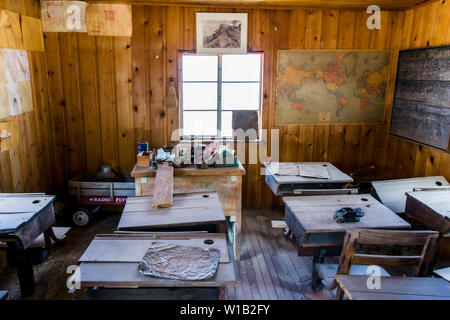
{"x":221,"y":32}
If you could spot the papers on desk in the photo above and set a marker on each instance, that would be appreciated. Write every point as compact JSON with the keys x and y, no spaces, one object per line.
{"x":310,"y":170}
{"x":314,"y":170}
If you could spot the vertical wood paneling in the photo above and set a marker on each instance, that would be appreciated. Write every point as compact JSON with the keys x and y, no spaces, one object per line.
{"x":27,"y":168}
{"x":425,"y":26}
{"x":108,"y":111}
{"x":72,"y":102}
{"x":90,"y":100}
{"x":123,"y":85}
{"x":106,"y":96}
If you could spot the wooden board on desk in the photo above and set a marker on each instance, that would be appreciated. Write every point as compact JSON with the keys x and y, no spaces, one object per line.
{"x":187,"y":210}
{"x":392,"y":193}
{"x":163,"y":189}
{"x":120,"y":255}
{"x":432,"y":208}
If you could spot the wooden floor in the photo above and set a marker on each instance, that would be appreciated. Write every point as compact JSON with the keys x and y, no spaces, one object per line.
{"x":269,"y":267}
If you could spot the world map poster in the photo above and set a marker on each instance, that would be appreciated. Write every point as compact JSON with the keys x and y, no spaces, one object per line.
{"x":331,"y":87}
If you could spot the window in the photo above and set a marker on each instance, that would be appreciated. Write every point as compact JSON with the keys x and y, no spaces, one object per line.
{"x":214,"y":87}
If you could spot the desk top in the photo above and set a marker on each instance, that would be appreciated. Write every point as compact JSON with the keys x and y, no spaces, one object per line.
{"x":315,"y":213}
{"x":392,"y":192}
{"x":191,"y":170}
{"x":306,"y":172}
{"x":436,"y":200}
{"x":112,"y":260}
{"x":18,"y":209}
{"x":187,"y":210}
{"x":395,"y":288}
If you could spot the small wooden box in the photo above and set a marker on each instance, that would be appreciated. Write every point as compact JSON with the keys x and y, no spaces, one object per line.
{"x":143,"y":159}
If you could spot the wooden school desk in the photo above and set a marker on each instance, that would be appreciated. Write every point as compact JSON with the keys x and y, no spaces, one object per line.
{"x":310,"y":218}
{"x":283,"y":178}
{"x":227,"y":182}
{"x":112,"y":261}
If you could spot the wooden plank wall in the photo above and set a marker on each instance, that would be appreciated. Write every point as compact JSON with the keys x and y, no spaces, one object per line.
{"x":425,"y":26}
{"x":107,"y":93}
{"x":28,"y":167}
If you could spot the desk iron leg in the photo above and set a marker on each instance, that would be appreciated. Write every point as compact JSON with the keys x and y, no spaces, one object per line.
{"x":49,"y":235}
{"x":222,"y":293}
{"x":316,"y":282}
{"x":24,"y":269}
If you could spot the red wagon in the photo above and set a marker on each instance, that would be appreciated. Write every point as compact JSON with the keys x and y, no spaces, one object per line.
{"x":90,"y":191}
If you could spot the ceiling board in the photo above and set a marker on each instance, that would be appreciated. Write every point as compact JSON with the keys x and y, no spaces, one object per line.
{"x":348,"y":4}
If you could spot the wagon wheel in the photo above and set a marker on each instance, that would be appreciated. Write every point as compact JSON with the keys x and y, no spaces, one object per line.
{"x":81,"y":217}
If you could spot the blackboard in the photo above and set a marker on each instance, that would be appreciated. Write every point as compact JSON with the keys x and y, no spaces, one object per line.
{"x":421,"y":110}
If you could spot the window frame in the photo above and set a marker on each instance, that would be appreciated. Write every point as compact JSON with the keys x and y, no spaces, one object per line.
{"x":219,"y":108}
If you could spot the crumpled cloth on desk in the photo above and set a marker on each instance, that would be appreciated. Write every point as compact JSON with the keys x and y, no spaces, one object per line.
{"x":163,"y":260}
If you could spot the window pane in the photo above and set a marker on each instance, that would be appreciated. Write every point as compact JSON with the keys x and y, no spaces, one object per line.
{"x":200,"y":123}
{"x":227,"y":124}
{"x":241,"y":67}
{"x":200,"y":68}
{"x":200,"y":96}
{"x":240,"y":96}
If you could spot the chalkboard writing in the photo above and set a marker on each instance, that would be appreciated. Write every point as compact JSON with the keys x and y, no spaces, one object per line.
{"x":421,"y":111}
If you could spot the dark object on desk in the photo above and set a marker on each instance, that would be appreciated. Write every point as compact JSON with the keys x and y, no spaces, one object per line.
{"x":421,"y":110}
{"x":431,"y":208}
{"x":23,"y":217}
{"x":168,"y":261}
{"x":348,"y":215}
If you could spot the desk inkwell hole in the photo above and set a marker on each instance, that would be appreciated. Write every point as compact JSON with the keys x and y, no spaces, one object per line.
{"x":364,"y":199}
{"x":36,"y":201}
{"x":325,"y":165}
{"x":208,"y":241}
{"x":205,"y":196}
{"x":439,"y":183}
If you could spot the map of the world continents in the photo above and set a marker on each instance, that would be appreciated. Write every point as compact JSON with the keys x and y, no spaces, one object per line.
{"x":326,"y":87}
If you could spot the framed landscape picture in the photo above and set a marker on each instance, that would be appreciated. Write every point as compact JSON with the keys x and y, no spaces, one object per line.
{"x":221,"y":32}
